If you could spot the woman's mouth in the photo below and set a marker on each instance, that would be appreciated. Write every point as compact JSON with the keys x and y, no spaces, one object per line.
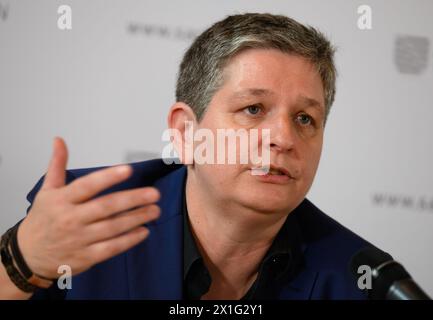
{"x":272,"y":174}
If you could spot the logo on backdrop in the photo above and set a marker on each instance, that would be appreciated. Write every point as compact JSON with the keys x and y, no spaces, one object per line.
{"x":411,"y":54}
{"x":161,"y":31}
{"x":405,"y":202}
{"x":4,"y":11}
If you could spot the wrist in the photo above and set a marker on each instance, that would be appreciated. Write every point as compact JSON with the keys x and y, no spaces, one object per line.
{"x":24,"y":244}
{"x":16,"y":267}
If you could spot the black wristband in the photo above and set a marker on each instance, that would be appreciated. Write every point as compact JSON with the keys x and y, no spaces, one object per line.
{"x":18,"y":257}
{"x":8,"y":263}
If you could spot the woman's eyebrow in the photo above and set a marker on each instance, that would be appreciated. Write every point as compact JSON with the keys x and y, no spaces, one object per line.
{"x":310,"y":102}
{"x":260,"y":92}
{"x":256,"y":92}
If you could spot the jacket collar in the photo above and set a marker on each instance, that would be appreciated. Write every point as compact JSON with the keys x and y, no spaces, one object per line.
{"x":155,"y":266}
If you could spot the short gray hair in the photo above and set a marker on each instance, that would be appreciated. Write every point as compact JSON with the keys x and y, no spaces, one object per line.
{"x":201,"y":70}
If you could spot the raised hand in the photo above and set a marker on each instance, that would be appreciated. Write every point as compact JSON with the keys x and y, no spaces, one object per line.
{"x":68,"y":226}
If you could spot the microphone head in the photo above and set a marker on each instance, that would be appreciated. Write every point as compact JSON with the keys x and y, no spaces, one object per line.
{"x":384,"y":271}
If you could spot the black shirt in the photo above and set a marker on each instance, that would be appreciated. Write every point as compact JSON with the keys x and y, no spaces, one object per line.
{"x":280,"y":263}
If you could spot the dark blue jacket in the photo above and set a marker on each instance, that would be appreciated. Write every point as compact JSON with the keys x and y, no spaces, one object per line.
{"x":154,"y":268}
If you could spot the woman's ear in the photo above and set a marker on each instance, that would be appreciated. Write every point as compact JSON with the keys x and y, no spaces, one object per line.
{"x":181,"y":121}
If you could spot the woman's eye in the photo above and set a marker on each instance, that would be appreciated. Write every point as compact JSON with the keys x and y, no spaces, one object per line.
{"x":305,"y":119}
{"x":253,"y":109}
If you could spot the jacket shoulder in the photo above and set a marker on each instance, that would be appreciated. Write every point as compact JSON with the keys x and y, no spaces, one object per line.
{"x":326,"y":237}
{"x":328,"y":250}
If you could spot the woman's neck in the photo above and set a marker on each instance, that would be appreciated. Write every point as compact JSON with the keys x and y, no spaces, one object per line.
{"x":232,"y":239}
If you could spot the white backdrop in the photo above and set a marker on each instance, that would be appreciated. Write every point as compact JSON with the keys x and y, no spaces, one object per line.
{"x":107,"y":84}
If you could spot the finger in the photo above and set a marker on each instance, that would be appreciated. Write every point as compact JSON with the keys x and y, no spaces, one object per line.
{"x":121,"y":223}
{"x":104,"y":250}
{"x":90,"y":185}
{"x":55,"y":177}
{"x":105,"y":206}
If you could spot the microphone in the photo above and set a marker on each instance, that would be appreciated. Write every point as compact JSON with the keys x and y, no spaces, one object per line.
{"x":389,"y":279}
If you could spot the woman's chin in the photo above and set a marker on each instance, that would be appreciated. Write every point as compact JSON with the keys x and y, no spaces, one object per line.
{"x":270,"y":203}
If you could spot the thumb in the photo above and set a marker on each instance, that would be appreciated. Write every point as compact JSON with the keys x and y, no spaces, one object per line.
{"x":55,"y":177}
